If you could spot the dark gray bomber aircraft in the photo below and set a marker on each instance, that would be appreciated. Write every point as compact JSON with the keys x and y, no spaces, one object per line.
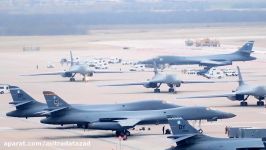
{"x":241,"y":93}
{"x":76,"y":68}
{"x":188,"y":138}
{"x":209,"y":61}
{"x":26,"y":106}
{"x":171,"y":80}
{"x":59,"y":112}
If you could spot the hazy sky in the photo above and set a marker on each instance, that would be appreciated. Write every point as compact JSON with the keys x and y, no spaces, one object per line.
{"x":81,"y":6}
{"x":57,"y":17}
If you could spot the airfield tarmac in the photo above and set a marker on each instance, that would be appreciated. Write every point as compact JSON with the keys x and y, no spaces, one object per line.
{"x":142,"y":43}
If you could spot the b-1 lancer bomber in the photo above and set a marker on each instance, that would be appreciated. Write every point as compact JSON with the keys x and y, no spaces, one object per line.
{"x":76,"y":68}
{"x":61,"y":113}
{"x":242,"y":93}
{"x":27,"y":107}
{"x":171,"y":80}
{"x":209,"y":61}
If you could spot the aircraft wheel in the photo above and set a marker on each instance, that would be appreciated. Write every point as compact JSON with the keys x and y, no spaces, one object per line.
{"x":243,"y":104}
{"x":171,"y":90}
{"x":157,"y":91}
{"x":72,"y":79}
{"x":127,"y":133}
{"x":2,"y":92}
{"x":260,"y":103}
{"x":117,"y":133}
{"x":125,"y":137}
{"x":79,"y":125}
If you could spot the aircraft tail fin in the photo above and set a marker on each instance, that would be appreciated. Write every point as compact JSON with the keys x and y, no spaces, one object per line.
{"x":155,"y":67}
{"x":246,"y":49}
{"x":240,"y":78}
{"x":19,"y":96}
{"x":181,"y":127}
{"x":54,"y":101}
{"x":71,"y":59}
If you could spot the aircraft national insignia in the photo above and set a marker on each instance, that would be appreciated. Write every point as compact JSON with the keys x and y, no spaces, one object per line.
{"x":56,"y":102}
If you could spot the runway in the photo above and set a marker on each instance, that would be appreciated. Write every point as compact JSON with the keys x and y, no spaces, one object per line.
{"x":102,"y":43}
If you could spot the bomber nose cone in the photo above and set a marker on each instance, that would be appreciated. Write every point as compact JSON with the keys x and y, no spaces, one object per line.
{"x":44,"y":121}
{"x":10,"y":114}
{"x":148,"y":61}
{"x":142,"y":62}
{"x":230,"y":115}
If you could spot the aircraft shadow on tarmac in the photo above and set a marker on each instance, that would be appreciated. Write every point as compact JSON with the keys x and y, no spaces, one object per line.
{"x":107,"y":135}
{"x":162,"y":92}
{"x":50,"y":128}
{"x":238,"y":106}
{"x":77,"y":81}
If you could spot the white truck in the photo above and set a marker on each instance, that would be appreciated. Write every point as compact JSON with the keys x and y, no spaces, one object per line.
{"x":215,"y":73}
{"x":137,"y":67}
{"x":4,"y":89}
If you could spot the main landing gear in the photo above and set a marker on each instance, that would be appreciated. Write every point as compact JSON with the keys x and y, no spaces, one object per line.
{"x":171,"y":90}
{"x":72,"y":79}
{"x":260,"y":101}
{"x":123,"y":134}
{"x":157,"y":89}
{"x":84,"y":79}
{"x":243,"y":103}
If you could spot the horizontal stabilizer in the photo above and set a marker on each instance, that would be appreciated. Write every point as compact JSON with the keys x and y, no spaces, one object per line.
{"x":52,"y":111}
{"x":179,"y":138}
{"x":19,"y":103}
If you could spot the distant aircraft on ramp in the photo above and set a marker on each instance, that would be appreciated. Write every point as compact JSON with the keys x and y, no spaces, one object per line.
{"x":76,"y":68}
{"x":158,"y":79}
{"x":209,"y":61}
{"x":242,"y":93}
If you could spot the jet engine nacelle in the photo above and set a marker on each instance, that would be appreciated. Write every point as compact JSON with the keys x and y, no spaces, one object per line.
{"x":67,"y":74}
{"x":150,"y":85}
{"x":90,"y":74}
{"x":237,"y":97}
{"x":105,"y":126}
{"x":178,"y":84}
{"x":260,"y":97}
